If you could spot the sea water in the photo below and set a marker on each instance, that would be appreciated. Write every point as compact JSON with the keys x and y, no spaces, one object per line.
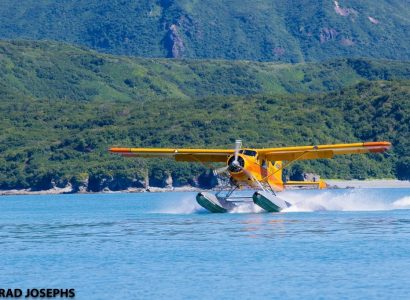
{"x":331,"y":244}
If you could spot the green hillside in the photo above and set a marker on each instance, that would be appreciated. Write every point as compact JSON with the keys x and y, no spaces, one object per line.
{"x":61,"y":108}
{"x":262,"y":30}
{"x":61,"y":141}
{"x":60,"y":71}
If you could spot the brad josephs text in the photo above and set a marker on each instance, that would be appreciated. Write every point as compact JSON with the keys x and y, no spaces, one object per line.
{"x":37,"y":293}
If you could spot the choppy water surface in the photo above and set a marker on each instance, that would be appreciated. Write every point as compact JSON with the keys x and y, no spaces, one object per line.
{"x":330,"y":244}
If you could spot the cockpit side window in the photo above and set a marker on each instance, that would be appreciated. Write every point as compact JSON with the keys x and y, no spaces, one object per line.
{"x":249,"y":152}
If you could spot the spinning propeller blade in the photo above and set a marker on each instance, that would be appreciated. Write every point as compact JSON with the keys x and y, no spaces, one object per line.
{"x":220,"y":170}
{"x":238,"y":146}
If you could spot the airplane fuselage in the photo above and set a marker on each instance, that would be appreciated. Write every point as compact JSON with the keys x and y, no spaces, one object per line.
{"x":253,"y":168}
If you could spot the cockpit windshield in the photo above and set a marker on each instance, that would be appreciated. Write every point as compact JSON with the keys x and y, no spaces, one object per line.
{"x":248,"y":152}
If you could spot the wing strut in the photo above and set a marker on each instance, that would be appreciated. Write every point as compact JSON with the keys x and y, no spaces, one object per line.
{"x":285,"y":165}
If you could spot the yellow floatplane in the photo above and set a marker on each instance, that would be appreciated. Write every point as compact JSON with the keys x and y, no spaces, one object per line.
{"x":260,"y":169}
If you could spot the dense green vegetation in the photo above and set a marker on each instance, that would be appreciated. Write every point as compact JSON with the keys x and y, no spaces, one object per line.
{"x":61,"y":108}
{"x":59,"y":71}
{"x":281,"y":30}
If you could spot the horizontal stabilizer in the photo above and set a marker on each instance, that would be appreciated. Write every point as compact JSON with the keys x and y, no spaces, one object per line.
{"x":314,"y":184}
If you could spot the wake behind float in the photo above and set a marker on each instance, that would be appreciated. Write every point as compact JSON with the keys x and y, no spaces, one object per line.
{"x":217,"y":203}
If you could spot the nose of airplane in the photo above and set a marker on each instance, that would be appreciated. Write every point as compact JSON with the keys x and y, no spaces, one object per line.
{"x":236,"y":166}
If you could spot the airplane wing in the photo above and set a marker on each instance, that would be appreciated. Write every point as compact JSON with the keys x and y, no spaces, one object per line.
{"x":194,"y":155}
{"x":321,"y":151}
{"x":272,"y":154}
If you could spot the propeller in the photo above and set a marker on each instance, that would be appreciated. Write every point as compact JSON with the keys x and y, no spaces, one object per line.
{"x":238,"y":146}
{"x":220,"y":170}
{"x":235,"y":162}
{"x":235,"y":165}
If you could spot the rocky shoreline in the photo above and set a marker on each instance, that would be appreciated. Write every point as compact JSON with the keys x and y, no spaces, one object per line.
{"x":70,"y":190}
{"x":333,"y":184}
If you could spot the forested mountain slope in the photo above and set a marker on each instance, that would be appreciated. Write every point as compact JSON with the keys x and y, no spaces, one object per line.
{"x":61,"y":107}
{"x":263,"y":30}
{"x":59,"y":71}
{"x":45,"y":142}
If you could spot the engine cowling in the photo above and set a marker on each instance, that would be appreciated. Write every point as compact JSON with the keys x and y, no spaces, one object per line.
{"x":236,"y":167}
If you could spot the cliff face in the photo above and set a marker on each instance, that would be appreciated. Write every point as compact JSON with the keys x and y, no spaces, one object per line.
{"x":174,"y":43}
{"x":104,"y":183}
{"x":100,"y":182}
